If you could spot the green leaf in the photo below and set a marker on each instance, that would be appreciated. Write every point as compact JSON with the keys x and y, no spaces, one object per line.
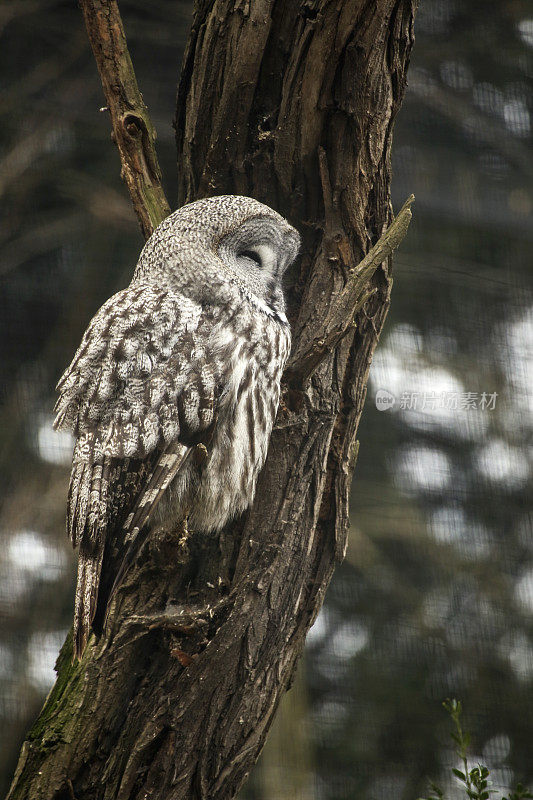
{"x":459,"y":774}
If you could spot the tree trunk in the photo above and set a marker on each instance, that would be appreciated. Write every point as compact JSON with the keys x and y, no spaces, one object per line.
{"x":291,"y":102}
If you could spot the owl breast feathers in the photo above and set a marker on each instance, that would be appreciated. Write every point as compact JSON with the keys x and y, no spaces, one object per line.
{"x":191,"y":352}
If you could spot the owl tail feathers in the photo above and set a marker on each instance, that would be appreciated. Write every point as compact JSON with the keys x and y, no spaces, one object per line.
{"x":89,"y":568}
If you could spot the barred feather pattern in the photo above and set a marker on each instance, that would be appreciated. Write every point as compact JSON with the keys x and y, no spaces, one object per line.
{"x":191,"y":351}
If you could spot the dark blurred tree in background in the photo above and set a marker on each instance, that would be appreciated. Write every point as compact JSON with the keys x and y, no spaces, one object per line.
{"x":436,"y":595}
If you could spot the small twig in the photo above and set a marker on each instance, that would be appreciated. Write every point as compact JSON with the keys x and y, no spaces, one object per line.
{"x":133,"y":131}
{"x":349,"y":301}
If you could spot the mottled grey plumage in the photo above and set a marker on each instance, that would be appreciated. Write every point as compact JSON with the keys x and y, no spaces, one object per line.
{"x":191,"y":351}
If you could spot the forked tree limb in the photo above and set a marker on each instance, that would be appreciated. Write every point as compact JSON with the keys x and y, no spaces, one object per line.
{"x":133,"y":131}
{"x":175,"y":701}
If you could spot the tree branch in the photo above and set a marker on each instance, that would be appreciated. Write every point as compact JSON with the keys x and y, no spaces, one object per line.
{"x":342,"y":310}
{"x":133,"y":131}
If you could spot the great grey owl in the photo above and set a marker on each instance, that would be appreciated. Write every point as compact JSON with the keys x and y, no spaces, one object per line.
{"x":192,"y":351}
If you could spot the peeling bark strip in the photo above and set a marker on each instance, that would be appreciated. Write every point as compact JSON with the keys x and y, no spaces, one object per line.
{"x":292,"y":102}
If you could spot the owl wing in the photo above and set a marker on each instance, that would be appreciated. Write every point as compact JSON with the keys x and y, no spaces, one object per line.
{"x":138,"y":394}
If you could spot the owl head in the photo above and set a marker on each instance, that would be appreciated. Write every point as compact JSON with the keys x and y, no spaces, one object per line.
{"x":221,"y":243}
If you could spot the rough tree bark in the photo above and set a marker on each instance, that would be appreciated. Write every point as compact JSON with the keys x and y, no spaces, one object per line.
{"x":292,"y":102}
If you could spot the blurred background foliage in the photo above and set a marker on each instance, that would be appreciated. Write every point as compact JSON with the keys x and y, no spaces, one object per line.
{"x":435,"y":597}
